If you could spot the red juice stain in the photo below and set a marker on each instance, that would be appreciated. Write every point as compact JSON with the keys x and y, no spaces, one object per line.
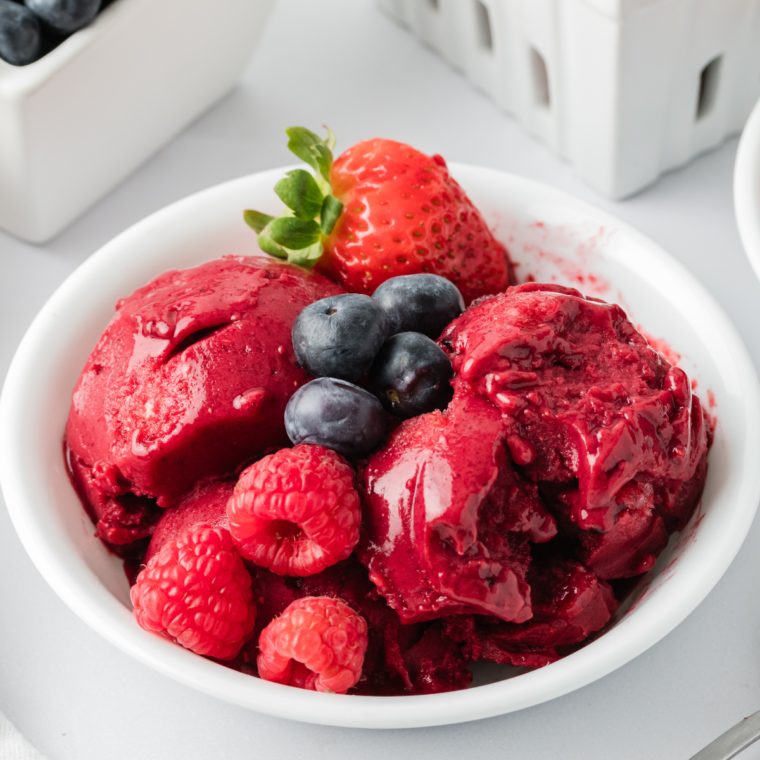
{"x":662,"y":347}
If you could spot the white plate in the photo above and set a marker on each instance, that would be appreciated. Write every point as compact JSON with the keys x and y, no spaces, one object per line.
{"x":747,"y":188}
{"x":553,"y":237}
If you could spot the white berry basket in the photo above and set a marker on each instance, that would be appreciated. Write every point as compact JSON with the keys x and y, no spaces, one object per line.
{"x":623,"y":89}
{"x":76,"y":122}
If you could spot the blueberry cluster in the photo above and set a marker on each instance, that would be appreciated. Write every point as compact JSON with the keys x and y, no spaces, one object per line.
{"x":30,"y":29}
{"x":390,"y":338}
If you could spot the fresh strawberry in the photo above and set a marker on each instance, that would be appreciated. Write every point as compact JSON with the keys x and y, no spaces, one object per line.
{"x":380,"y":210}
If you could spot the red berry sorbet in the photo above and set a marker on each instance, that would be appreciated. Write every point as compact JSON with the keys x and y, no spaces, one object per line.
{"x":188,"y":381}
{"x":493,"y":530}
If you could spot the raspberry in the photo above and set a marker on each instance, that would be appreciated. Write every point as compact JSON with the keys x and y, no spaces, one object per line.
{"x":197,"y":590}
{"x":296,"y":512}
{"x":318,"y":643}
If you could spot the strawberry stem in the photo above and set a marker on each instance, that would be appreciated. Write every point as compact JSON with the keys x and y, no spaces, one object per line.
{"x":298,"y":234}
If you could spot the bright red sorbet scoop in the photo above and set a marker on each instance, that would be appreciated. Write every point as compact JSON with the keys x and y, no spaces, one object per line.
{"x":189,"y":380}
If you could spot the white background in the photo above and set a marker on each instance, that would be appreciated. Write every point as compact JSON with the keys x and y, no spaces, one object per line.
{"x":343,"y":63}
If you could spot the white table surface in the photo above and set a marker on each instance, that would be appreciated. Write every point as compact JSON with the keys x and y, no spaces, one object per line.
{"x":342,"y":62}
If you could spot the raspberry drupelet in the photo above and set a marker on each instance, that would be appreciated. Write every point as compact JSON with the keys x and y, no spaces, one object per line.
{"x":318,"y":643}
{"x":197,"y":591}
{"x":296,"y":512}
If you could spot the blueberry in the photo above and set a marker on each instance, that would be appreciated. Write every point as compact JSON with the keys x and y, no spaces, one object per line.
{"x":423,"y":303}
{"x":64,"y":16}
{"x":339,"y":336}
{"x":20,"y":34}
{"x":337,"y":415}
{"x":412,"y":375}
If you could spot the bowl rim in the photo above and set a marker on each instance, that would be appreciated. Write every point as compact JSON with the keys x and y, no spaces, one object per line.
{"x":747,"y":188}
{"x":89,"y":598}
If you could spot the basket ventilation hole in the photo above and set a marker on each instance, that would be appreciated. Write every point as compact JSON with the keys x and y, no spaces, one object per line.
{"x":540,"y":79}
{"x":708,"y":87}
{"x":433,"y":4}
{"x":483,"y":24}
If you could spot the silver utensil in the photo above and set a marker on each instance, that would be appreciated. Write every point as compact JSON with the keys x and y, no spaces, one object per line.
{"x":735,"y":740}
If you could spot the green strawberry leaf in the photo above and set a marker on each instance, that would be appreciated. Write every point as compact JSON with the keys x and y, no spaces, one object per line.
{"x":307,"y":257}
{"x":299,"y":191}
{"x":256,"y":219}
{"x":331,"y":138}
{"x":269,"y":246}
{"x":293,"y":233}
{"x":331,"y":210}
{"x":312,"y":149}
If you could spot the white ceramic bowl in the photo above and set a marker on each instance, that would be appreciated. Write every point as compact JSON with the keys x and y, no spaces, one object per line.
{"x":747,"y":188}
{"x":553,"y":237}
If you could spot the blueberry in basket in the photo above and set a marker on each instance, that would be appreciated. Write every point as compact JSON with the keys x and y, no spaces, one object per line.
{"x":20,"y":34}
{"x":30,"y":30}
{"x":64,"y":17}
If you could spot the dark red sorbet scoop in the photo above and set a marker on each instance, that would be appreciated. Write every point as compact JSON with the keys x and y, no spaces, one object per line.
{"x":566,"y":429}
{"x":449,"y":520}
